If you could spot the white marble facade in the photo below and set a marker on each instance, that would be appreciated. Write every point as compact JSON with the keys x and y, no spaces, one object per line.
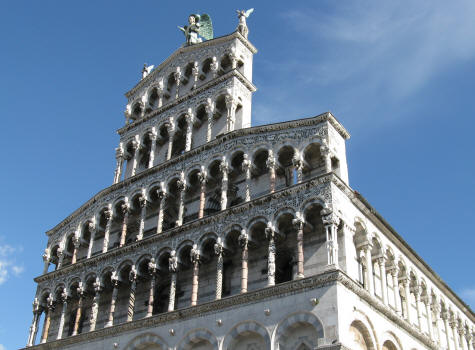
{"x":219,"y":235}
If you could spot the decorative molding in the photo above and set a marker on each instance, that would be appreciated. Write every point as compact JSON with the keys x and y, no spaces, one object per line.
{"x":329,"y":278}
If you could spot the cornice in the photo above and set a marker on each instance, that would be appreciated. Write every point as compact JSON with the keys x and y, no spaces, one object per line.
{"x":191,"y":48}
{"x":328,"y":278}
{"x":325,"y":117}
{"x":216,"y":217}
{"x":233,"y":73}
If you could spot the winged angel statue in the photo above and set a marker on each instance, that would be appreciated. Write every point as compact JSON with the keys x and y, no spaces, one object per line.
{"x":242,"y":26}
{"x":199,"y":25}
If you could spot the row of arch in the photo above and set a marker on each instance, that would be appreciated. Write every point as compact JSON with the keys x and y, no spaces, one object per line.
{"x":221,"y":265}
{"x":178,"y":133}
{"x":298,"y":331}
{"x":389,"y":279}
{"x":223,"y":182}
{"x":177,"y":81}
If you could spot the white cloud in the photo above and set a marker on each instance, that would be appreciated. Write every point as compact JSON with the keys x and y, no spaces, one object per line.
{"x":468,"y":295}
{"x":7,"y":263}
{"x":2,"y":347}
{"x":394,"y":46}
{"x":17,"y":270}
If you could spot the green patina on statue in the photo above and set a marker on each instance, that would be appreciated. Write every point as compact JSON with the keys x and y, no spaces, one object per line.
{"x":199,"y":26}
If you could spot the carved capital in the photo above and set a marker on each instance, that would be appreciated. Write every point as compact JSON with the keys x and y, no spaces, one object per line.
{"x":202,"y":176}
{"x":108,"y":214}
{"x":173,"y":262}
{"x":209,"y":107}
{"x":243,"y":239}
{"x":246,"y":163}
{"x":269,"y":231}
{"x":152,"y":267}
{"x":119,"y":153}
{"x":329,"y":217}
{"x":124,"y":208}
{"x":218,"y":248}
{"x":195,"y":255}
{"x":132,"y":274}
{"x":181,"y":185}
{"x":142,"y":201}
{"x":298,"y":222}
{"x":97,"y":286}
{"x":115,"y":279}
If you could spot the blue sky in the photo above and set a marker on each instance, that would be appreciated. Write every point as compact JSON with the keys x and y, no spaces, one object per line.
{"x":400,"y":76}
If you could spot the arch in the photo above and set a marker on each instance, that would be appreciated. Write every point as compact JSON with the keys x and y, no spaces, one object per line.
{"x":196,"y":336}
{"x":287,"y":328}
{"x":390,"y":341}
{"x":245,"y":328}
{"x":363,"y":330}
{"x":144,"y":340}
{"x":283,"y":211}
{"x":317,"y":200}
{"x":209,"y":236}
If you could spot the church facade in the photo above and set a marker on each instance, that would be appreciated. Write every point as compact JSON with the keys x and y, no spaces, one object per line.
{"x":219,"y":235}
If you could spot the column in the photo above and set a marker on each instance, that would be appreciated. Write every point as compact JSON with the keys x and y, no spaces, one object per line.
{"x":143,"y":212}
{"x":76,"y":244}
{"x":46,"y":260}
{"x":34,"y":323}
{"x":218,"y":250}
{"x":173,"y":268}
{"x":426,"y":302}
{"x":133,"y":287}
{"x":243,"y":242}
{"x":298,"y":166}
{"x":209,"y":112}
{"x":270,"y":162}
{"x":152,"y":270}
{"x":115,"y":290}
{"x":195,"y":71}
{"x":119,"y":156}
{"x":177,"y":75}
{"x":125,"y":212}
{"x":80,"y":292}
{"x":48,"y":310}
{"x":95,"y":305}
{"x":331,"y":221}
{"x":64,"y":299}
{"x":299,"y":224}
{"x":189,"y":130}
{"x":161,"y":197}
{"x":382,"y":272}
{"x":405,"y":282}
{"x":416,"y":290}
{"x":60,"y":254}
{"x":270,"y":235}
{"x":224,"y":183}
{"x":231,"y":110}
{"x":92,"y":231}
{"x":153,"y":147}
{"x":108,"y":217}
{"x":137,"y":146}
{"x":181,"y":185}
{"x":325,"y":152}
{"x":171,"y":135}
{"x":195,"y":260}
{"x":445,"y":317}
{"x":435,"y":308}
{"x":246,"y":168}
{"x":397,"y":298}
{"x":453,"y":326}
{"x":214,"y":67}
{"x":202,"y":179}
